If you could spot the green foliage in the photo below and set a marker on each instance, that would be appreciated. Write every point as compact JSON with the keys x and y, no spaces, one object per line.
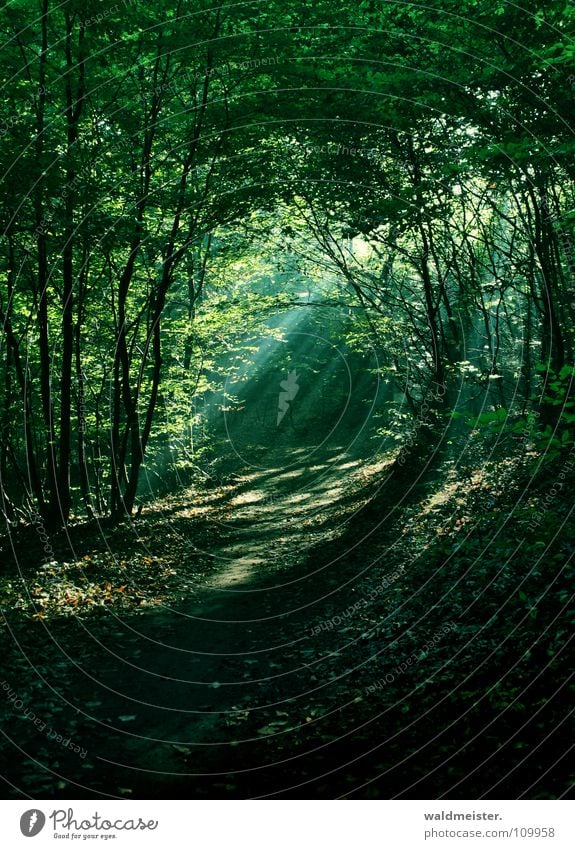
{"x":172,"y":176}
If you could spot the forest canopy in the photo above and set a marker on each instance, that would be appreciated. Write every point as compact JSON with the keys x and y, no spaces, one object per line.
{"x":175,"y":173}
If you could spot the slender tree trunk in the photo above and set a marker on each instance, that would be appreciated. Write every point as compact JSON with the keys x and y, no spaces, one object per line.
{"x":139,"y":436}
{"x":15,"y":357}
{"x":552,"y":345}
{"x":50,"y":507}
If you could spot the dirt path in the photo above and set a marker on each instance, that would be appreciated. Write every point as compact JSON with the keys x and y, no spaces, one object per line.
{"x":158,"y":700}
{"x":323,"y":645}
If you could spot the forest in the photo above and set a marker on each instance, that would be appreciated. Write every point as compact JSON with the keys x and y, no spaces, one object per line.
{"x":287,"y":409}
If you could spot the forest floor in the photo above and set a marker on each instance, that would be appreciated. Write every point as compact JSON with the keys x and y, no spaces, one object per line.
{"x":330,"y":626}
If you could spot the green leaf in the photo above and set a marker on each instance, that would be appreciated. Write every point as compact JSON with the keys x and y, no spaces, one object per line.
{"x":493,"y":416}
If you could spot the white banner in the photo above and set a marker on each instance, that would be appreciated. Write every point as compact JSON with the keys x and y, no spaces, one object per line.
{"x":289,"y":824}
